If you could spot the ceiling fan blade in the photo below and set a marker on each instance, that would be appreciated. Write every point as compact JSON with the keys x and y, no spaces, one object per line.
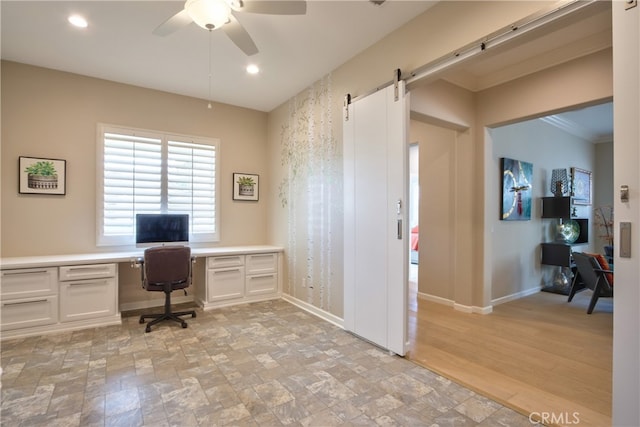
{"x":240,"y":36}
{"x":282,"y":7}
{"x":177,"y":21}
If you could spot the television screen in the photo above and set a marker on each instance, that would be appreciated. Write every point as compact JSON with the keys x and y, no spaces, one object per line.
{"x":162,"y":228}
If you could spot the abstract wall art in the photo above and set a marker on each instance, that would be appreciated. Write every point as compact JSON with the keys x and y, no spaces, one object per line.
{"x":516,"y":189}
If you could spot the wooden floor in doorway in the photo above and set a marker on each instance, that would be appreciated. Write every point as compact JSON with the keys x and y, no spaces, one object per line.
{"x":538,"y":354}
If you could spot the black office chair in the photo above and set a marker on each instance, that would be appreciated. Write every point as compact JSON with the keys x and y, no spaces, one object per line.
{"x":165,"y":269}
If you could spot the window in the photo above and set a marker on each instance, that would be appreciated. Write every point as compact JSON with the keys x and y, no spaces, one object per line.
{"x":151,"y":172}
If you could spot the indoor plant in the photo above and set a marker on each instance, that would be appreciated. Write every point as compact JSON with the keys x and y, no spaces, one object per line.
{"x":42,"y":175}
{"x":603,"y":218}
{"x":246,"y":185}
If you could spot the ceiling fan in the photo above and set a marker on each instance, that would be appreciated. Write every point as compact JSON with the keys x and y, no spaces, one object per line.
{"x":214,"y":14}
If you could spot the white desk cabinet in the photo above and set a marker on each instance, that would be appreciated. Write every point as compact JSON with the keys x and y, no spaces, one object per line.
{"x":25,"y":313}
{"x":225,"y":278}
{"x":88,"y":291}
{"x":262,"y":274}
{"x":240,"y":278}
{"x":35,"y":301}
{"x":53,"y":293}
{"x":29,"y":297}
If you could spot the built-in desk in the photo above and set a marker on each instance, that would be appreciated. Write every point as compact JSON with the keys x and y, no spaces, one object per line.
{"x":44,"y":294}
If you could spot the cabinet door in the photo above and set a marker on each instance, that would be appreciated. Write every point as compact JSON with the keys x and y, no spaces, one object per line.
{"x":87,"y":299}
{"x":27,"y":312}
{"x":226,"y":283}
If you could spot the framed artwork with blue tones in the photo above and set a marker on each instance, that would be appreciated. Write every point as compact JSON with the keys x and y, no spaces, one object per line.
{"x":516,"y":190}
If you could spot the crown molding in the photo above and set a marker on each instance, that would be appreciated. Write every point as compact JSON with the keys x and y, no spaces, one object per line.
{"x":575,"y":129}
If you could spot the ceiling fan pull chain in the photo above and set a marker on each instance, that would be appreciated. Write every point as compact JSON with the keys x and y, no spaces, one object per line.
{"x":209,"y":105}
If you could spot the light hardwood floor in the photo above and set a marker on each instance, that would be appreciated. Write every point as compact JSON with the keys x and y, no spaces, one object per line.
{"x":536,"y":354}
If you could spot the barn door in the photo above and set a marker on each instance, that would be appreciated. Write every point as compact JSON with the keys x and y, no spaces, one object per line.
{"x":376,"y":245}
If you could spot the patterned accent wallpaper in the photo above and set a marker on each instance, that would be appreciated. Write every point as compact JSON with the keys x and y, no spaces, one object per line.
{"x":311,"y":192}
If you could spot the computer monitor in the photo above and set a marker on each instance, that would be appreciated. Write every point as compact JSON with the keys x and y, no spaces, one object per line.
{"x":162,"y":229}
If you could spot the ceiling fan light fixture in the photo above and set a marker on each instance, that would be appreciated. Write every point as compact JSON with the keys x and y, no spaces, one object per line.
{"x":208,"y":14}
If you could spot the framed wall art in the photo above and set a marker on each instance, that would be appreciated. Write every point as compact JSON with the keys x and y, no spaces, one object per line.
{"x":516,"y":190}
{"x":42,"y":176}
{"x":581,"y":186}
{"x":245,"y":186}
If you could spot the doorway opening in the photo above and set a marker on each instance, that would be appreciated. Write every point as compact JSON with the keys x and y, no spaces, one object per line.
{"x":485,"y":352}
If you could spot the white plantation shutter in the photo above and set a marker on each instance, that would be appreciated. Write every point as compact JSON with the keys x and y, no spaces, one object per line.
{"x":132,"y":181}
{"x":191,"y":184}
{"x":149,"y":172}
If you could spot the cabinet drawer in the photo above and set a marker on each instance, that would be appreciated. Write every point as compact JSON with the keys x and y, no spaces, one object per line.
{"x":26,"y":312}
{"x":225,"y":261}
{"x":262,"y":263}
{"x":30,"y":282}
{"x":262,"y":284}
{"x":92,"y":271}
{"x":87,"y":299}
{"x":225,"y":284}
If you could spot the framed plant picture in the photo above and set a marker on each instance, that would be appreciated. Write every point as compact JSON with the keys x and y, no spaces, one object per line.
{"x":581,"y":186}
{"x":42,"y":176}
{"x":245,"y":186}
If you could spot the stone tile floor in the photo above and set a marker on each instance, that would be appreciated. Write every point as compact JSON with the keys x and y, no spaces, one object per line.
{"x":262,"y":364}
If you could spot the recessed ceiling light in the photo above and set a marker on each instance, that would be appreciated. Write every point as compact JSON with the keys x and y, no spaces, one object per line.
{"x":78,"y":21}
{"x":253,"y":69}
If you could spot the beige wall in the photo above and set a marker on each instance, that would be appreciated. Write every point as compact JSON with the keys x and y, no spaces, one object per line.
{"x":448,"y":26}
{"x":52,"y":114}
{"x":437,"y":206}
{"x":449,"y":167}
{"x":581,"y":82}
{"x":515,"y":264}
{"x":441,"y":30}
{"x":445,"y":131}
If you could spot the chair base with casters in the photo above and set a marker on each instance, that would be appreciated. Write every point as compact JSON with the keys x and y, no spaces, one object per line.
{"x":166,"y":269}
{"x":167,"y":315}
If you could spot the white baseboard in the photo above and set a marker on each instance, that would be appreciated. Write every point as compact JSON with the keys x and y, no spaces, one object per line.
{"x":155,"y":303}
{"x":455,"y":305}
{"x":436,"y":299}
{"x":324,"y":315}
{"x":473,"y":309}
{"x":515,"y":296}
{"x":206,"y":306}
{"x":63,"y":327}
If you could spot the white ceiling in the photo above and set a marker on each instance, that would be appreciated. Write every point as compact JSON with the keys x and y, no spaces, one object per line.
{"x":583,"y":33}
{"x":118,"y":45}
{"x":295,"y":51}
